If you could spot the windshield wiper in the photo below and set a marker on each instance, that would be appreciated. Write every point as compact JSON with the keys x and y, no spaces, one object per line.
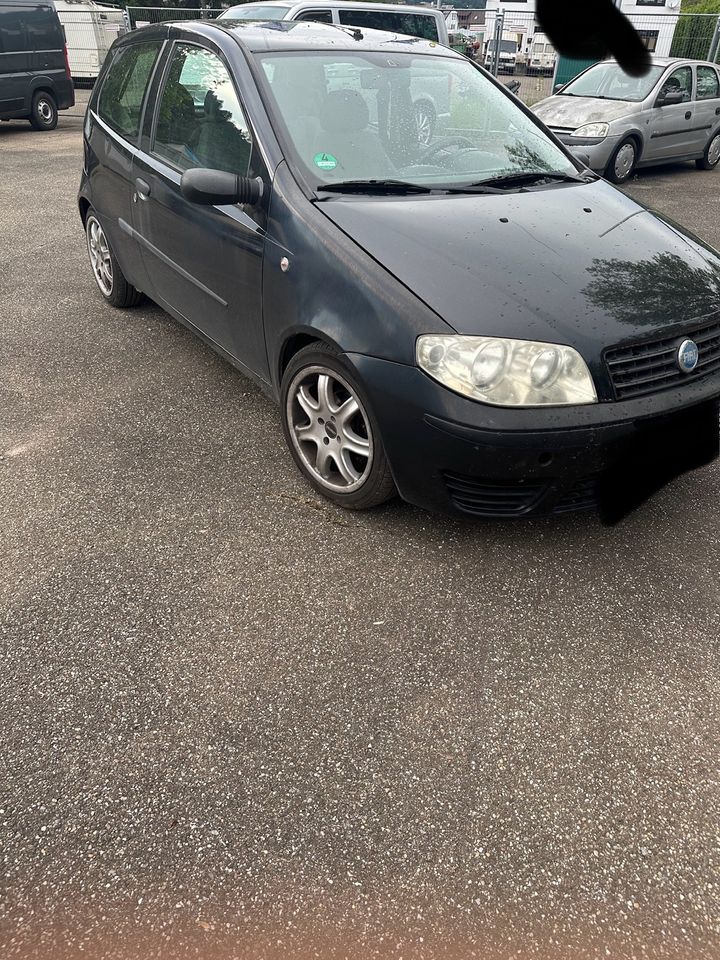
{"x":513,"y":179}
{"x":372,"y":186}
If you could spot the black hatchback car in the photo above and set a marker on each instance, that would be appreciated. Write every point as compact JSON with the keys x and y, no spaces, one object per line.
{"x":477,"y":323}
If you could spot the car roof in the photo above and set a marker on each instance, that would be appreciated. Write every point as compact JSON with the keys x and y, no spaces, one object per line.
{"x":267,"y":35}
{"x":314,"y":4}
{"x":671,"y":61}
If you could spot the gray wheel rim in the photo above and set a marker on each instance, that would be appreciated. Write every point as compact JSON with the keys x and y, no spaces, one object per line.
{"x":45,"y":111}
{"x":330,"y":429}
{"x":99,"y":256}
{"x":624,"y":161}
{"x":423,"y":121}
{"x":714,"y":150}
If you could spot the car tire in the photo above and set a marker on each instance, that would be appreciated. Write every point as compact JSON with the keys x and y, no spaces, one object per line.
{"x":425,"y":122}
{"x":44,"y":113}
{"x":340,"y":454}
{"x":110,"y":280}
{"x":622,"y":163}
{"x":711,"y":157}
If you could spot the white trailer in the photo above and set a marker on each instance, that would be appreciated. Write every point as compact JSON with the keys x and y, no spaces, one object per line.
{"x":90,"y":29}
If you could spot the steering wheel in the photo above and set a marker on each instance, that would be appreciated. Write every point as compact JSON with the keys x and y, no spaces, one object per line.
{"x":443,"y":145}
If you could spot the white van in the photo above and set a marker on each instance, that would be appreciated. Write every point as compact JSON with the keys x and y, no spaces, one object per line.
{"x":507,"y":57}
{"x":425,"y":22}
{"x":90,"y":30}
{"x":541,"y":58}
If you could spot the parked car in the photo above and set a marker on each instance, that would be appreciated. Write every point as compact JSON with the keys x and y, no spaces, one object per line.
{"x":426,"y":22}
{"x":479,"y":323}
{"x":35,"y":77}
{"x":621,"y":122}
{"x":90,"y":30}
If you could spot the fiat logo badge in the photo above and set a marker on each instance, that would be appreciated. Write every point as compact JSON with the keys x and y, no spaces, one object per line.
{"x":688,"y":356}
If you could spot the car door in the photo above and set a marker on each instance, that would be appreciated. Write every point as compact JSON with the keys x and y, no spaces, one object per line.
{"x":112,"y":132}
{"x":14,"y":58}
{"x":204,"y":263}
{"x":671,"y":125}
{"x":707,"y":104}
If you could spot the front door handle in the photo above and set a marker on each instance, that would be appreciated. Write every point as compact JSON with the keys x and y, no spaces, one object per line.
{"x":688,"y":114}
{"x":717,"y":111}
{"x":142,"y":189}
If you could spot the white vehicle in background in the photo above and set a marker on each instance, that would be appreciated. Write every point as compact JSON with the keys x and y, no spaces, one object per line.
{"x":90,"y":30}
{"x":425,"y":22}
{"x":507,"y":55}
{"x":541,"y":58}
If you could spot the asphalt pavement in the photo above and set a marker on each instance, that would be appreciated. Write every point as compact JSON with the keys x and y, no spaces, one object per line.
{"x":239,"y":722}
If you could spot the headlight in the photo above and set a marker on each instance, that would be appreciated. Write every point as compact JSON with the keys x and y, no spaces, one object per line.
{"x":507,"y":373}
{"x":592,"y":130}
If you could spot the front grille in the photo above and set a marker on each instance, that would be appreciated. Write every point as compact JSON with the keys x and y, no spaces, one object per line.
{"x":648,"y":367}
{"x":493,"y":498}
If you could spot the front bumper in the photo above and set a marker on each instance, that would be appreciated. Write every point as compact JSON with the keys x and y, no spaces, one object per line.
{"x":448,"y":453}
{"x":598,"y":151}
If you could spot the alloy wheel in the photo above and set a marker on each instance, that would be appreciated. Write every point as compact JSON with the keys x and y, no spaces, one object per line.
{"x":100,"y":259}
{"x":329,"y":429}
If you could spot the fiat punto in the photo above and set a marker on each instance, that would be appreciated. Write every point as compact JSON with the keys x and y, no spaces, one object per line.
{"x":477,"y":323}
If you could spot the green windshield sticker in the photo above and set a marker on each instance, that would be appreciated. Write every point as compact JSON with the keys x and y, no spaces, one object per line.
{"x":326,"y":161}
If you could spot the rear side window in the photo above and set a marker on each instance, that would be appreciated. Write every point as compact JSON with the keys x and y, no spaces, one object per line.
{"x":43,"y":29}
{"x":708,"y":87}
{"x":123,"y":90}
{"x":410,"y":24}
{"x":13,"y":38}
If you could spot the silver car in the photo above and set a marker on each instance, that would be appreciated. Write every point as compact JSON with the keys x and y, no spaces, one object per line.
{"x":621,"y":122}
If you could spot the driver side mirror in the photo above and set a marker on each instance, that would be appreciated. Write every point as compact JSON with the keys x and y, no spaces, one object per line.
{"x":558,"y":86}
{"x":217,"y":187}
{"x":670,"y":98}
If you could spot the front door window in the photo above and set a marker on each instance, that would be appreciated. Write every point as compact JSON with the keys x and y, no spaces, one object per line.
{"x":199,"y":120}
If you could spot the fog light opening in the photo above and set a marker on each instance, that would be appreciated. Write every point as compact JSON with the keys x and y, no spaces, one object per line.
{"x":545,"y":459}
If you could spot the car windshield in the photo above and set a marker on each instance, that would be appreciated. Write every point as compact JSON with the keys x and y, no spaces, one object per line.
{"x":608,"y":81}
{"x":425,"y":120}
{"x":254,"y":11}
{"x":506,"y":46}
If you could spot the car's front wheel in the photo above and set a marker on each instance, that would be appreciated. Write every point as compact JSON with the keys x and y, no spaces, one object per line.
{"x":110,"y":279}
{"x":44,"y":115}
{"x":711,"y":157}
{"x":623,"y":162}
{"x":330,"y":430}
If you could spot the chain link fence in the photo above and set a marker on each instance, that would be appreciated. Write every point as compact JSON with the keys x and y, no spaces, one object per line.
{"x":142,"y":16}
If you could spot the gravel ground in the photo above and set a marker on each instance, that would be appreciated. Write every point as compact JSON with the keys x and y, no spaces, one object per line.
{"x":238,"y":722}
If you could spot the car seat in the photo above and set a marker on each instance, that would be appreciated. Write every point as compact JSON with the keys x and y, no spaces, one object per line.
{"x":348,"y":137}
{"x":221,"y":145}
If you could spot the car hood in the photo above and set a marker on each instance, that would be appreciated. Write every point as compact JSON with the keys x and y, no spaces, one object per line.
{"x":582,"y":265}
{"x":572,"y":112}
